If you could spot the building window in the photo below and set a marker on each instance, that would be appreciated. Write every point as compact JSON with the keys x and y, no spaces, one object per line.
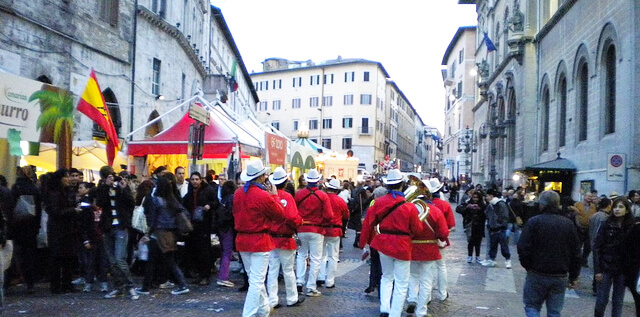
{"x":327,"y":101}
{"x":295,"y":103}
{"x":266,"y":85}
{"x":346,"y":143}
{"x":545,"y":119}
{"x":314,"y":80}
{"x":295,"y":125}
{"x":562,"y":119}
{"x":348,"y":100}
{"x":313,"y":124}
{"x":327,"y":123}
{"x":366,"y":76}
{"x":459,"y":90}
{"x":155,"y":83}
{"x":277,"y":84}
{"x":328,"y":76}
{"x":610,"y":90}
{"x":276,"y":105}
{"x":365,"y":126}
{"x":461,"y":56}
{"x":109,"y":11}
{"x":276,"y":125}
{"x":313,"y":102}
{"x":365,"y":99}
{"x":159,"y":7}
{"x":583,"y":101}
{"x":349,"y":77}
{"x":326,"y":143}
{"x":263,"y":106}
{"x":297,"y":82}
{"x":347,"y":122}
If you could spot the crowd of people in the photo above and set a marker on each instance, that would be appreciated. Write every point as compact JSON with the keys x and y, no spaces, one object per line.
{"x":162,"y":228}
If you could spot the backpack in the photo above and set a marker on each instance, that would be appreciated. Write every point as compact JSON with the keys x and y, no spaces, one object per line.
{"x":224,"y":214}
{"x":25,"y":208}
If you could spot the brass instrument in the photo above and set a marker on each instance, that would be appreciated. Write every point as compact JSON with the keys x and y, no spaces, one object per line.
{"x":423,"y":209}
{"x":416,"y":188}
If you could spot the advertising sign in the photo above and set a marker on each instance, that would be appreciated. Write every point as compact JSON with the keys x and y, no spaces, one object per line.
{"x":276,"y":149}
{"x":16,"y":111}
{"x":616,"y":165}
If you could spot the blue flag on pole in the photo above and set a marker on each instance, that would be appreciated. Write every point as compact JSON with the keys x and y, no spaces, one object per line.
{"x":489,"y":43}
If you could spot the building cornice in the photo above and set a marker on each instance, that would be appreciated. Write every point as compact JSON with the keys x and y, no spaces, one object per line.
{"x":173,"y":31}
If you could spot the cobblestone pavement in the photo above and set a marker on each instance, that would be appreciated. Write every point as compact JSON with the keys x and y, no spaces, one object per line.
{"x":474,"y":291}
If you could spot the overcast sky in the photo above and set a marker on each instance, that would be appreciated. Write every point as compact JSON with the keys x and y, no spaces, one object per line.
{"x":409,"y":38}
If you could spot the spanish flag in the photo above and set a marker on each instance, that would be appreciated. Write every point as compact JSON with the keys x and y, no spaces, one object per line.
{"x":93,"y":106}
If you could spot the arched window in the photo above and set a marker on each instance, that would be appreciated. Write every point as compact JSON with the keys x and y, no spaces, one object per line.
{"x":114,"y":111}
{"x":562,"y":110}
{"x":44,"y":79}
{"x":582,"y":88}
{"x":609,"y":72}
{"x":154,"y":128}
{"x":545,"y":119}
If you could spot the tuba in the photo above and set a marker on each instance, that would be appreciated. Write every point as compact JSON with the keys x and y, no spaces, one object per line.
{"x":423,"y":209}
{"x":416,"y":188}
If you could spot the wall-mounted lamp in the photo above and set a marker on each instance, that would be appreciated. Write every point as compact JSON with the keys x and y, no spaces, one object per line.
{"x":160,"y":97}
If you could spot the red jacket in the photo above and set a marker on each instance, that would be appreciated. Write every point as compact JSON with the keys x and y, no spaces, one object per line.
{"x":287,"y":228}
{"x":425,"y":245}
{"x":403,"y":220}
{"x":315,"y":209}
{"x":340,"y":213}
{"x":254,"y":212}
{"x":445,"y":207}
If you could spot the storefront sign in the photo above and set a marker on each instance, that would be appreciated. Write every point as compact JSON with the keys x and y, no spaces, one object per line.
{"x":276,"y":149}
{"x":16,"y":111}
{"x":616,"y":165}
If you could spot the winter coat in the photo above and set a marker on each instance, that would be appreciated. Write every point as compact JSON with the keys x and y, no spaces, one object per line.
{"x":223,"y":218}
{"x":62,"y":231}
{"x":396,"y":230}
{"x":424,"y":246}
{"x":608,"y":244}
{"x":160,"y":215}
{"x":474,"y":219}
{"x":340,"y":213}
{"x":205,"y":195}
{"x":282,"y":232}
{"x":631,"y":255}
{"x":26,"y":230}
{"x":254,"y":212}
{"x":124,"y":204}
{"x":314,"y":208}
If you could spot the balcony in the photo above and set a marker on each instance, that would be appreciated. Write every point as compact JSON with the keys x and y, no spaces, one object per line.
{"x":365,"y":130}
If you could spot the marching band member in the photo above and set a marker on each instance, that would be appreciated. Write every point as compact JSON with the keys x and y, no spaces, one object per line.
{"x":284,"y":253}
{"x":389,"y":227}
{"x":434,"y":187}
{"x":255,"y":208}
{"x":332,"y":234}
{"x":315,"y":209}
{"x":424,"y":254}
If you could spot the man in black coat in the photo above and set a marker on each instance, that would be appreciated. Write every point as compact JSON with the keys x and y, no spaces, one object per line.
{"x":548,"y":250}
{"x":201,"y":201}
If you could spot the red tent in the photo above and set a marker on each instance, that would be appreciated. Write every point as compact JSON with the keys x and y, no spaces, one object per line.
{"x":219,"y":139}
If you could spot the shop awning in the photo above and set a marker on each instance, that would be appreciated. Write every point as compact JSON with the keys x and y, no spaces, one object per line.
{"x":559,"y":164}
{"x":221,"y":135}
{"x":312,"y":145}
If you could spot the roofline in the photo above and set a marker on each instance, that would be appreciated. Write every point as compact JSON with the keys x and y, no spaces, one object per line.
{"x":359,"y":61}
{"x":217,"y":13}
{"x":453,"y":42}
{"x":393,"y":83}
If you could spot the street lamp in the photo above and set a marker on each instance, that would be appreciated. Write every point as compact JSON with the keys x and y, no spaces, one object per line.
{"x":494,"y":128}
{"x":467,"y":143}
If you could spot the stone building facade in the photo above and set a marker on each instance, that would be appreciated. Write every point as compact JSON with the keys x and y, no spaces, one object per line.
{"x":148,"y":58}
{"x":562,"y":80}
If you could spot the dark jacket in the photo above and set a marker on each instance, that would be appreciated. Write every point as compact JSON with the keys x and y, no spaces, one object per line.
{"x":124,"y":204}
{"x":474,"y":219}
{"x":6,"y":207}
{"x":548,"y":245}
{"x":631,"y":255}
{"x":518,"y":210}
{"x":497,"y":216}
{"x":62,"y":231}
{"x":205,"y":195}
{"x":159,"y":214}
{"x":608,"y":244}
{"x":26,"y":230}
{"x":224,"y":214}
{"x":89,"y":228}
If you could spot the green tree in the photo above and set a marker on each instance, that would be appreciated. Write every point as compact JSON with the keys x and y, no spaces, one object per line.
{"x":56,"y":117}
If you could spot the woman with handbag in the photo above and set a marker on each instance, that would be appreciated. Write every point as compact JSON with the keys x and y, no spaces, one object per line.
{"x":473,"y":220}
{"x":161,"y":211}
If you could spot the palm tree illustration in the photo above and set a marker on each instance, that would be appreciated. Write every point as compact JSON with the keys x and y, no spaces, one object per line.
{"x":56,"y":117}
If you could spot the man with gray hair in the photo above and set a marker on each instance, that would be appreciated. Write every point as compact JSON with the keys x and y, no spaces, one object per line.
{"x":548,"y":250}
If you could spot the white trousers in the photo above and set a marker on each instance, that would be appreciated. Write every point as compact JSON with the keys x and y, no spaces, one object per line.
{"x":396,"y":272}
{"x":256,"y":302}
{"x":285,"y":259}
{"x":421,"y":285}
{"x":311,"y":247}
{"x":442,"y":276}
{"x":329,"y":261}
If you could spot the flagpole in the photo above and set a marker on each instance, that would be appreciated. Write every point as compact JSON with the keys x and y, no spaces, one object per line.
{"x":160,"y":117}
